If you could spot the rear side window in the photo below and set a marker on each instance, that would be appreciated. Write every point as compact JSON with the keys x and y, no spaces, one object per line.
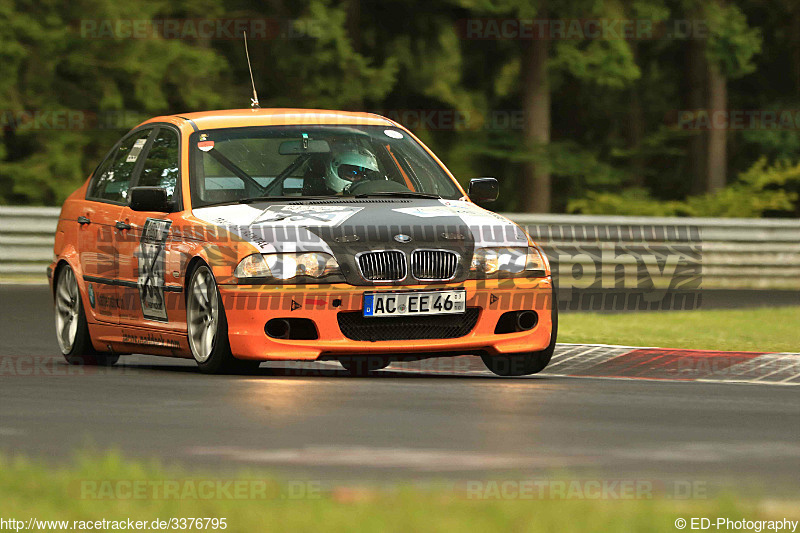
{"x":113,"y":179}
{"x":161,"y":167}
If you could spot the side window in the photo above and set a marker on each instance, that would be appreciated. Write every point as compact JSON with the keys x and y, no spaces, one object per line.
{"x":161,"y":166}
{"x":114,"y":178}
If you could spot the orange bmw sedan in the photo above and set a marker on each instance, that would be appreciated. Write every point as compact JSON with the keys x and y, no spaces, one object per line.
{"x":236,"y":237}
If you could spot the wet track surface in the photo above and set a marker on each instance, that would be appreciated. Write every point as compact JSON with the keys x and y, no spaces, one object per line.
{"x":443,"y":422}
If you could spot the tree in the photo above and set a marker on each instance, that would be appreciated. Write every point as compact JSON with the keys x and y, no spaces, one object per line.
{"x":604,"y":62}
{"x":71,"y":88}
{"x":583,"y":114}
{"x":730,"y":48}
{"x":536,"y":185}
{"x":326,"y":69}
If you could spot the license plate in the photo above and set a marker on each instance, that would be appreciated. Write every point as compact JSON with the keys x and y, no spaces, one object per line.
{"x":415,"y":303}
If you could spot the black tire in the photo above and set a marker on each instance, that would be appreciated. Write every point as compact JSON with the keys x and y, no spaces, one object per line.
{"x":72,"y":329}
{"x":218,"y":359}
{"x":362,"y":365}
{"x":524,"y":364}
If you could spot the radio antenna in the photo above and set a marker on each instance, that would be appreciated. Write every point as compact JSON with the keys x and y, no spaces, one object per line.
{"x":254,"y":99}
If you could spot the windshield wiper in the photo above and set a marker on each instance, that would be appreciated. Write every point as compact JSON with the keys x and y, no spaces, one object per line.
{"x":256,"y":199}
{"x":400,"y":194}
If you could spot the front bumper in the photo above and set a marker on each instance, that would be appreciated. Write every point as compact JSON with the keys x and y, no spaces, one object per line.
{"x":248,"y":308}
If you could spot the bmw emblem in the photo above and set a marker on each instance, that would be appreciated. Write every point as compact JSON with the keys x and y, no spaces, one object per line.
{"x":400,"y":237}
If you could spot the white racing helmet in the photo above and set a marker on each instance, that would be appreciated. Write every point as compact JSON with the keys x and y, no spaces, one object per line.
{"x":349,"y":165}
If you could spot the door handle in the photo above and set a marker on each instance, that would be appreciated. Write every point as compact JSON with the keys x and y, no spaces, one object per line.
{"x":122,"y":225}
{"x":84,"y":220}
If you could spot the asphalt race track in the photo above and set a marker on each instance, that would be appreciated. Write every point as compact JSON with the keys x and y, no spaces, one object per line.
{"x":444,"y":419}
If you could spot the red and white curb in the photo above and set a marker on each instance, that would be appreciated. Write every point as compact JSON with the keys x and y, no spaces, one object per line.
{"x":630,"y":362}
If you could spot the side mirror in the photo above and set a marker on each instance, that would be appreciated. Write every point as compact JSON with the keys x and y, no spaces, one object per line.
{"x":149,"y":199}
{"x":483,"y":190}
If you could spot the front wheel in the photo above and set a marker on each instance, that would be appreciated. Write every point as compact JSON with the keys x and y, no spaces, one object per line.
{"x":523,"y":364}
{"x":207,"y":327}
{"x":72,"y":328}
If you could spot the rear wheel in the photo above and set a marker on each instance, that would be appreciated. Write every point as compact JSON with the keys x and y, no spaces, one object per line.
{"x":523,"y":364}
{"x":207,"y":327}
{"x":362,"y":365}
{"x":72,"y":329}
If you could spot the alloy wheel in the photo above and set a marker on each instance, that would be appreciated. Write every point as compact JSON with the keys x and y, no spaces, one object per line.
{"x":67,"y":309}
{"x":203,"y":314}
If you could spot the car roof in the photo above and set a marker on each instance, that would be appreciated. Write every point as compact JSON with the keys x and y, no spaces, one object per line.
{"x":237,"y":118}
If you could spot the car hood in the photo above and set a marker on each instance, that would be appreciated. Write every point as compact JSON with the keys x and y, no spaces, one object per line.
{"x":346,"y":227}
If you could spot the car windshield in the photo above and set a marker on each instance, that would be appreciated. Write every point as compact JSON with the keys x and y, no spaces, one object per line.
{"x":276,"y":162}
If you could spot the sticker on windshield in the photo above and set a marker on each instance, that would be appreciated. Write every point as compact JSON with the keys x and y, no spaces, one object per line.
{"x":394,"y":134}
{"x":133,"y":155}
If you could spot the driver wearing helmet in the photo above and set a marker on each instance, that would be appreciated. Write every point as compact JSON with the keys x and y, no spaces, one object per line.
{"x":350,"y":166}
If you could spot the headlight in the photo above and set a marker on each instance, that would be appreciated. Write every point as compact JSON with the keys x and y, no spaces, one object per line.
{"x":285,"y":266}
{"x":508,"y":261}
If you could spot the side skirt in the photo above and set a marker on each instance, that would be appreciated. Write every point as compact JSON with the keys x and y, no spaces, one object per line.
{"x":131,"y":339}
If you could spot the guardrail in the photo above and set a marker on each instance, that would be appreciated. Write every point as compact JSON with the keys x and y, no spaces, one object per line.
{"x":586,"y":251}
{"x":708,"y":252}
{"x":26,"y":241}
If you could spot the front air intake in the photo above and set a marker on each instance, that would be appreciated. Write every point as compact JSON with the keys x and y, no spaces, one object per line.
{"x":357,"y":327}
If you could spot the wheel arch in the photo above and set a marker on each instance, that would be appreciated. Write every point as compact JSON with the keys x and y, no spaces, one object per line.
{"x":64,"y":262}
{"x":56,"y":271}
{"x":191,"y":266}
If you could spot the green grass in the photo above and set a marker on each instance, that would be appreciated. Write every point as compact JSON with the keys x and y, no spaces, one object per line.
{"x":36,"y":490}
{"x":772,"y":329}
